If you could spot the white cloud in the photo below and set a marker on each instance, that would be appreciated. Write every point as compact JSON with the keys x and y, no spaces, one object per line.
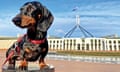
{"x":62,"y":20}
{"x":59,"y":31}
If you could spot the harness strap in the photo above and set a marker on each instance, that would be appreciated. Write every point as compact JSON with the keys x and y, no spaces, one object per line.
{"x":18,"y":48}
{"x":9,"y":56}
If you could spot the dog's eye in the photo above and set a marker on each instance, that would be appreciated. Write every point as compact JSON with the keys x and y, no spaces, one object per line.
{"x":28,"y":9}
{"x":25,"y":13}
{"x":21,"y":9}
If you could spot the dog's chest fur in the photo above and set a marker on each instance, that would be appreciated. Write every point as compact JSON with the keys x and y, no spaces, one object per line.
{"x":36,"y":49}
{"x":35,"y":34}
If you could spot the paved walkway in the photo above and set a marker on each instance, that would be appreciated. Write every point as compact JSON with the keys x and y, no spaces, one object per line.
{"x":74,"y":66}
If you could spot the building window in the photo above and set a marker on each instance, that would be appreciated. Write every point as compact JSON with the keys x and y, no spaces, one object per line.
{"x":119,"y":47}
{"x":110,"y":42}
{"x":82,"y":48}
{"x":99,"y":41}
{"x":53,"y":41}
{"x":95,"y":44}
{"x":70,"y":42}
{"x":64,"y":45}
{"x":103,"y":43}
{"x":78,"y":46}
{"x":115,"y":47}
{"x":74,"y":42}
{"x":114,"y":41}
{"x":87,"y":46}
{"x":91,"y":44}
{"x":110,"y":48}
{"x":119,"y":42}
{"x":53,"y":46}
{"x":50,"y":41}
{"x":60,"y":41}
{"x":60,"y":46}
{"x":83,"y":40}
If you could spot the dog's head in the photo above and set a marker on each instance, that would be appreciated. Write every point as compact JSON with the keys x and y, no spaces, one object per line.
{"x":29,"y":14}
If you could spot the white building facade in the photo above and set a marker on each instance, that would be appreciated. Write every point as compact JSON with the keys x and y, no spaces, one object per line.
{"x":84,"y":44}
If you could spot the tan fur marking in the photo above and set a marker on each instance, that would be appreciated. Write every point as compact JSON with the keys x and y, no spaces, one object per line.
{"x":26,"y":20}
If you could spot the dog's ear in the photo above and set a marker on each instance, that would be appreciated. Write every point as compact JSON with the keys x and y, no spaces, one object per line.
{"x":37,"y":14}
{"x":43,"y":17}
{"x":46,"y":20}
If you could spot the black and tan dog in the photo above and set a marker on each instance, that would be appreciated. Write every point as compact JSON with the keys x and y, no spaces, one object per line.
{"x":33,"y":45}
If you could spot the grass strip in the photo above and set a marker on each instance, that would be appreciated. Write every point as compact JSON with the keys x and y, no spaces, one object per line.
{"x":86,"y":53}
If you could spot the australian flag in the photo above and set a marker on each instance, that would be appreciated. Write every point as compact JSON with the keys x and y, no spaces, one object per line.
{"x":75,"y":9}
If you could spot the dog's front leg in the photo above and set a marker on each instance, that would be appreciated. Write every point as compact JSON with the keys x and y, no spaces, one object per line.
{"x":42,"y":63}
{"x":11,"y":64}
{"x":23,"y":65}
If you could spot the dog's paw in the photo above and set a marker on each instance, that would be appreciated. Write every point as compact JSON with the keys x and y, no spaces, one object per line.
{"x":23,"y":65}
{"x":11,"y":67}
{"x":43,"y":65}
{"x":23,"y":68}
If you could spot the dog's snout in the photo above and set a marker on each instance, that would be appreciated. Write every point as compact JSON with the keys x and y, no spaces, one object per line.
{"x":17,"y":20}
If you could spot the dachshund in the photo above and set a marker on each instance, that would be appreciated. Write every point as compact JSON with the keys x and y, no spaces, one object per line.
{"x":32,"y":46}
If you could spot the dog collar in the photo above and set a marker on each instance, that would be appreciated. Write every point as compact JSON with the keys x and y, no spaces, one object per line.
{"x":31,"y":40}
{"x":37,"y":41}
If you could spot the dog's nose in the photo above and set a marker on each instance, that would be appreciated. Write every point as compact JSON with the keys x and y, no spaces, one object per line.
{"x":17,"y":20}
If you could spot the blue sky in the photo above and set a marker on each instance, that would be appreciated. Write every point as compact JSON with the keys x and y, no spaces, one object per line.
{"x":99,"y":17}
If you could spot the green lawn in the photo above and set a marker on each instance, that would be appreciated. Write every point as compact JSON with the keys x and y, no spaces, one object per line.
{"x":89,"y":53}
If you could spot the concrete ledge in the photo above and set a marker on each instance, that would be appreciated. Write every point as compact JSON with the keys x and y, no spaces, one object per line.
{"x":48,"y":68}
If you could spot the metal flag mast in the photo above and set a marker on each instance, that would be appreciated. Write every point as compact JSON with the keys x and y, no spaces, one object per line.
{"x":84,"y":31}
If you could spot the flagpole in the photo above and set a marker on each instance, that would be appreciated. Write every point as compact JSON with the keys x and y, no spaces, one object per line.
{"x":84,"y":31}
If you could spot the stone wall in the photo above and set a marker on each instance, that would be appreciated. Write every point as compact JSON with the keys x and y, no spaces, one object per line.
{"x":5,"y":43}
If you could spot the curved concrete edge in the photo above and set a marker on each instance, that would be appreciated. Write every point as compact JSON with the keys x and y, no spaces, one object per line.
{"x":49,"y":68}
